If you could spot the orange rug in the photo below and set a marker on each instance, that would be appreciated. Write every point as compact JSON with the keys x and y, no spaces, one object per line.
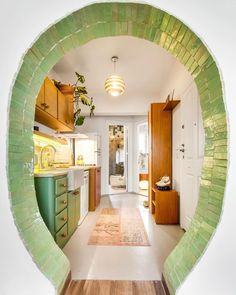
{"x":119,"y":227}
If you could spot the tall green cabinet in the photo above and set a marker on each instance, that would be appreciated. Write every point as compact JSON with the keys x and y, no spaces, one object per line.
{"x":52,"y":199}
{"x":60,"y":209}
{"x":73,"y":210}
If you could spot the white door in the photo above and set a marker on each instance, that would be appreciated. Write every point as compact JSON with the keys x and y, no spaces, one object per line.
{"x":191,"y":152}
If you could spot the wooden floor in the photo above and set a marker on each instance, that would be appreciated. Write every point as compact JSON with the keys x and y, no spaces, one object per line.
{"x":94,"y":287}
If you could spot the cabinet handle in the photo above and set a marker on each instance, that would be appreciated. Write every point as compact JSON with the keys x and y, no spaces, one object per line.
{"x":64,"y":218}
{"x":75,"y":193}
{"x":43,"y":104}
{"x":63,"y":185}
{"x":64,"y":202}
{"x":64,"y":235}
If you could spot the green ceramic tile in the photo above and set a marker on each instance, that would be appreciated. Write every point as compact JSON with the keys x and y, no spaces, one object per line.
{"x":165,"y":22}
{"x":167,"y":42}
{"x":114,"y":19}
{"x":181,"y":33}
{"x":156,"y":17}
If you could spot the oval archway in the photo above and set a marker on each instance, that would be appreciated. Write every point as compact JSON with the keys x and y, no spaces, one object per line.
{"x":103,"y":20}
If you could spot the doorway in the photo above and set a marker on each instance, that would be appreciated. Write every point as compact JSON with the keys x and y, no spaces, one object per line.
{"x":142,"y":151}
{"x":177,"y":38}
{"x":118,"y":159}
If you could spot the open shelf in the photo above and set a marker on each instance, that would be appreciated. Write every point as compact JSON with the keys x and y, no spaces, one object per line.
{"x":50,"y":137}
{"x":170,"y":105}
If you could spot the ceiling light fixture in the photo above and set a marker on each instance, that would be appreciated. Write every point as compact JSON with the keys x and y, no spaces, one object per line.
{"x":114,"y":85}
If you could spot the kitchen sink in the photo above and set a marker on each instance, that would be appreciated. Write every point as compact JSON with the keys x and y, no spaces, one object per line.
{"x":75,"y":178}
{"x":75,"y":175}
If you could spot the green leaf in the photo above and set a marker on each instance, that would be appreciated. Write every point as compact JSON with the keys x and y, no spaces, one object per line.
{"x":80,"y":77}
{"x":80,"y":89}
{"x":79,"y":121}
{"x":84,"y":100}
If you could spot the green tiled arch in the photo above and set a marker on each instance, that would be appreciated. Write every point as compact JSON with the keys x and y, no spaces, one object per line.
{"x":113,"y":19}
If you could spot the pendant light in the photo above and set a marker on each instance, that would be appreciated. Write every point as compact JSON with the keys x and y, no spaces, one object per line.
{"x":114,"y":85}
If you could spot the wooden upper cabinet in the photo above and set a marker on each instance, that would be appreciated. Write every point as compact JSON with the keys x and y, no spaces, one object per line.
{"x":54,"y":109}
{"x":70,"y":113}
{"x":40,"y":98}
{"x":66,"y":109}
{"x":62,"y":114}
{"x":50,"y":98}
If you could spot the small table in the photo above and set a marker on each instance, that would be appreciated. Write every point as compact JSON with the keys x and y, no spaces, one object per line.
{"x":165,"y":206}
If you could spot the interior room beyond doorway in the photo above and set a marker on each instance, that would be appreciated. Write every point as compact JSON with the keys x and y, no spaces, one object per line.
{"x":117,"y":159}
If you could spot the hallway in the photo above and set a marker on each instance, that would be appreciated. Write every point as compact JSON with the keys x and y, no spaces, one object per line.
{"x":90,"y":262}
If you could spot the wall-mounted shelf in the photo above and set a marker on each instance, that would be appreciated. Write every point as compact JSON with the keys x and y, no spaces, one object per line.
{"x":170,"y":105}
{"x":44,"y":135}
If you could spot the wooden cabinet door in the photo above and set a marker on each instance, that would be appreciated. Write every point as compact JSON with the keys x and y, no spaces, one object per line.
{"x":50,"y":98}
{"x":62,"y":114}
{"x":98,"y":186}
{"x":70,"y":111}
{"x":40,"y":98}
{"x":66,"y":109}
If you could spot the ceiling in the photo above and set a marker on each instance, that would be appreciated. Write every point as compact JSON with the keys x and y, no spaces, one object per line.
{"x":143,"y":65}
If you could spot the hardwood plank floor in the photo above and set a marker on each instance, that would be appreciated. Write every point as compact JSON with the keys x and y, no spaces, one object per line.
{"x":95,"y":287}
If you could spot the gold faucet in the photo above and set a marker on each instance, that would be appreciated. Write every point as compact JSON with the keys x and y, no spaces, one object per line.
{"x":42,"y":166}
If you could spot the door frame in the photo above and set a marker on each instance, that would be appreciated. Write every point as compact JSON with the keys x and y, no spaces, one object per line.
{"x":135,"y":164}
{"x":129,"y":182}
{"x":77,"y":28}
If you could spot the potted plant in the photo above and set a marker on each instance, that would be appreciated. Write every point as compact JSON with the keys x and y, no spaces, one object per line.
{"x":80,"y":96}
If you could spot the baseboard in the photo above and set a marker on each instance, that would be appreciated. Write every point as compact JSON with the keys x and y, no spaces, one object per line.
{"x":165,"y":285}
{"x":66,"y":285}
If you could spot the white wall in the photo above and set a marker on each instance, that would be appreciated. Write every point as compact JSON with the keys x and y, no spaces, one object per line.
{"x":100,"y":125}
{"x":21,"y":22}
{"x":180,"y":80}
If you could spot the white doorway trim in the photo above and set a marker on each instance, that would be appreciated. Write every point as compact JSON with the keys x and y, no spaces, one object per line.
{"x":136,"y":152}
{"x":129,"y":127}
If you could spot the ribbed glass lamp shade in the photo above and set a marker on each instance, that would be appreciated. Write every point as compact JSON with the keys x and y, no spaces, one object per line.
{"x":115,"y":85}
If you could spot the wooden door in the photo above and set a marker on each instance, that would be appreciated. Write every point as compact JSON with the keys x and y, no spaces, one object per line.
{"x":40,"y":98}
{"x":191,"y":154}
{"x":50,"y":98}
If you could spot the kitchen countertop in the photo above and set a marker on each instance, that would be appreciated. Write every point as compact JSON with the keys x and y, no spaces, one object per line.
{"x":86,"y":167}
{"x":60,"y":171}
{"x":51,"y":172}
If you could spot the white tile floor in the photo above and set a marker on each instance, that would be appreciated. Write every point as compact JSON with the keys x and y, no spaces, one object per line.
{"x":116,"y":190}
{"x":121,"y":262}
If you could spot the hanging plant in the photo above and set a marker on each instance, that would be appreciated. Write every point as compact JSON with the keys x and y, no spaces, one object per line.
{"x":80,"y":96}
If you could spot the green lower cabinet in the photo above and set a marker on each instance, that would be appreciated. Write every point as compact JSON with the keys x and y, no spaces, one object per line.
{"x":52,"y":198}
{"x":62,"y":236}
{"x":73,"y":210}
{"x":77,"y":207}
{"x":71,"y":213}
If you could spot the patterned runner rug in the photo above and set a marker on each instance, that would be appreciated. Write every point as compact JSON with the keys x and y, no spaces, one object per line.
{"x":119,"y":227}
